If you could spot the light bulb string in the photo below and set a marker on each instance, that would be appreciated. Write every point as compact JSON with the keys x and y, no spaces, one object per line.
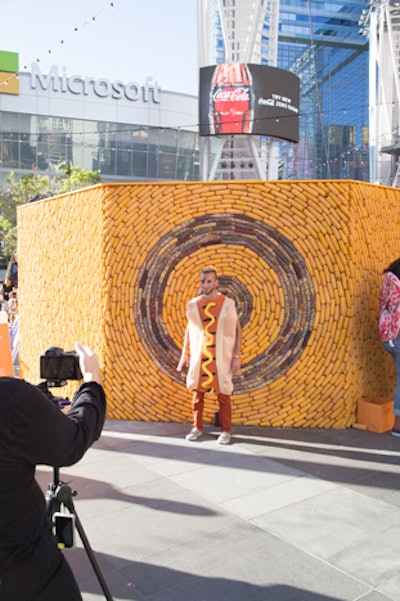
{"x":91,"y":20}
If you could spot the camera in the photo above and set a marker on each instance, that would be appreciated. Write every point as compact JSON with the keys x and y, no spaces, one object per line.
{"x":58,"y":366}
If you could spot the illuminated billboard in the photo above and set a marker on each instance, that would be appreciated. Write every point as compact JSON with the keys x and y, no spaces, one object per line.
{"x":243,"y":98}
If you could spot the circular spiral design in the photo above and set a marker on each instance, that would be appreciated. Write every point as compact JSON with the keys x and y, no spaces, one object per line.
{"x":274,"y":251}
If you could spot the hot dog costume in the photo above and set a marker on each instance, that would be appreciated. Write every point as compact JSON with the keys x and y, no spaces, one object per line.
{"x":212,"y":332}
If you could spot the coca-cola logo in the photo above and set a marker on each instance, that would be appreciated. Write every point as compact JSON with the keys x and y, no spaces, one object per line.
{"x":241,"y":94}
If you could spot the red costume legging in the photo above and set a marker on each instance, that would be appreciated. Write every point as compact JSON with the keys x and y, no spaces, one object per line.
{"x":225,"y":410}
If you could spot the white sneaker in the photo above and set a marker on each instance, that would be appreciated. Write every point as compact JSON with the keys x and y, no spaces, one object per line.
{"x":194,"y":434}
{"x":224,"y":438}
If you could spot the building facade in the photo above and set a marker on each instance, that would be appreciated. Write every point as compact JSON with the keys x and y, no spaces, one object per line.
{"x":127,"y":130}
{"x":136,"y":131}
{"x":321,"y":43}
{"x":381,"y":24}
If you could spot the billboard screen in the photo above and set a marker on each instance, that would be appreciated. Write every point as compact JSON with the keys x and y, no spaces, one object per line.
{"x":243,"y":98}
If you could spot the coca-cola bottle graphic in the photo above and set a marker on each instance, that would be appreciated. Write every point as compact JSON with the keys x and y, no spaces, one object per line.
{"x":231,"y":106}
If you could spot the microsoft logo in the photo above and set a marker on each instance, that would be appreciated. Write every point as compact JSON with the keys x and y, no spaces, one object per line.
{"x":9,"y":80}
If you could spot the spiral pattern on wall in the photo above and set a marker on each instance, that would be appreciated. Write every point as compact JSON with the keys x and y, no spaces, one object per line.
{"x":274,"y":251}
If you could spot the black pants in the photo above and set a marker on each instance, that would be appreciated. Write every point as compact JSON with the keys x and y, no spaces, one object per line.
{"x":40,"y":574}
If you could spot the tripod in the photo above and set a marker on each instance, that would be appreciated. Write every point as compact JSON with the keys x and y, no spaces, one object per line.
{"x":60,"y":494}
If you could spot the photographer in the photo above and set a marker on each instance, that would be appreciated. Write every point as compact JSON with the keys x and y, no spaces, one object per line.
{"x":34,"y":431}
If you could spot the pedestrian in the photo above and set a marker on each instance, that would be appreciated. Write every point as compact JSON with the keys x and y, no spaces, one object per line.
{"x":33,"y":430}
{"x":389,"y":327}
{"x":211,"y":351}
{"x":12,"y":308}
{"x":7,"y":288}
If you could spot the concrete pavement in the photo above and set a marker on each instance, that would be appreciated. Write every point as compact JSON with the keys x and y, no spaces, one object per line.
{"x":278,"y":515}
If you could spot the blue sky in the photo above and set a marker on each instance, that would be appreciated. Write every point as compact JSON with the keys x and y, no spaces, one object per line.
{"x":133,"y":40}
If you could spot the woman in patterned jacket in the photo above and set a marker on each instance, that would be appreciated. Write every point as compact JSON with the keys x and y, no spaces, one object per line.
{"x":389,"y":327}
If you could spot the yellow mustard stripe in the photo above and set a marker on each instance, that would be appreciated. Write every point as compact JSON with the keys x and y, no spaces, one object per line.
{"x":209,"y":338}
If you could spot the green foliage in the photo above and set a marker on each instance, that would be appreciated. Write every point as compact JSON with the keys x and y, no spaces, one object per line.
{"x":75,"y":178}
{"x":30,"y":187}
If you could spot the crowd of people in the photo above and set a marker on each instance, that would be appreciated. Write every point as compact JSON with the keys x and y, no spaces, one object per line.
{"x":9,"y":300}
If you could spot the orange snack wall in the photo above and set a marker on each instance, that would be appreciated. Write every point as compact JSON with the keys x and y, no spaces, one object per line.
{"x":113,"y":266}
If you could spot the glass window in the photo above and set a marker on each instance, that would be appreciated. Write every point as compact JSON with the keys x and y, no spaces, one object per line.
{"x":139,"y":167}
{"x":124,"y":162}
{"x":167,"y":140}
{"x":10,"y":151}
{"x":166,"y":165}
{"x":28,"y":153}
{"x":128,"y":150}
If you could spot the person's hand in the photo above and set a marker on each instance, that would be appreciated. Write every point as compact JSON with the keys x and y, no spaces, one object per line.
{"x":183,"y":362}
{"x":88,"y":363}
{"x":235,"y":365}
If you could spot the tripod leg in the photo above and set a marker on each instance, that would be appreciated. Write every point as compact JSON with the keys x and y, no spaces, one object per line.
{"x":92,"y":559}
{"x":89,"y":551}
{"x":52,"y":501}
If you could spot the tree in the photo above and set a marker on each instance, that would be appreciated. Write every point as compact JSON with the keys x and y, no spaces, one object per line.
{"x":31,"y":187}
{"x":75,"y":178}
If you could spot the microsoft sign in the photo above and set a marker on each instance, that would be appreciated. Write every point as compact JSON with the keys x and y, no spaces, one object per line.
{"x":9,"y":80}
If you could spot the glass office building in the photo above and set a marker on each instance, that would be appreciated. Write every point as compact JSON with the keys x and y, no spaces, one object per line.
{"x":129,"y":131}
{"x":321,"y":42}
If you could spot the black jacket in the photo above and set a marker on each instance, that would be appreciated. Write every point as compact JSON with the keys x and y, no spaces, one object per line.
{"x":33,"y":430}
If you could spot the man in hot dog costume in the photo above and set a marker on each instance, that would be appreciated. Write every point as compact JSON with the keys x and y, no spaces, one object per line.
{"x":211,"y":351}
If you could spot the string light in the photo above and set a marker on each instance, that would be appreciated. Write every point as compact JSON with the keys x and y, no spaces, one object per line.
{"x":188,"y":126}
{"x":92,"y":19}
{"x":109,"y":5}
